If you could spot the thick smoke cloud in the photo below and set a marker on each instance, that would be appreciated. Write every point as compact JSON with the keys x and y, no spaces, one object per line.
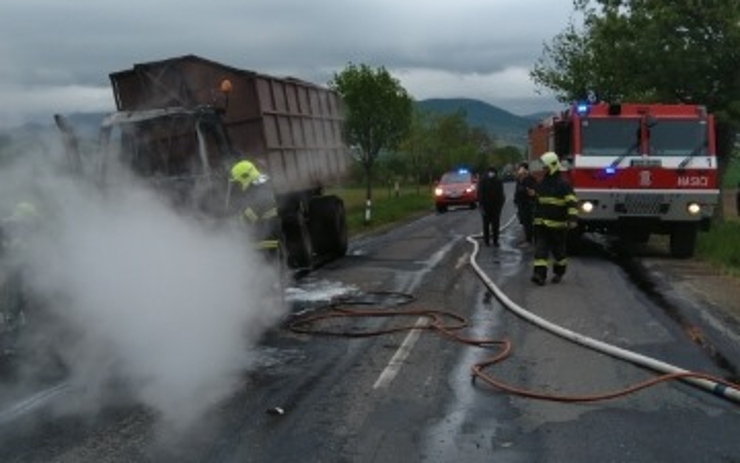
{"x":136,"y":296}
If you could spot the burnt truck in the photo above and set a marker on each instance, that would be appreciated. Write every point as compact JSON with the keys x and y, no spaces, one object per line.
{"x":182,"y":122}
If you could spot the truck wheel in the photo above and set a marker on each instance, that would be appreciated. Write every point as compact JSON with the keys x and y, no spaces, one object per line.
{"x":328,"y":226}
{"x":297,"y":241}
{"x":683,"y":240}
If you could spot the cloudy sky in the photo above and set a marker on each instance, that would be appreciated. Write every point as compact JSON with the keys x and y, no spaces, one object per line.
{"x":57,"y":54}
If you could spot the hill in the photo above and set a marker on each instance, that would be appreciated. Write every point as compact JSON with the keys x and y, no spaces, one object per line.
{"x":506,"y":127}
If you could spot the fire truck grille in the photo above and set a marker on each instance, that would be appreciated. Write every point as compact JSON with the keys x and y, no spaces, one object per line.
{"x":641,"y":205}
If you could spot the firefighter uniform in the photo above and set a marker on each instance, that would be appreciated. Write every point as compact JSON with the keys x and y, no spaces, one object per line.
{"x":555,"y":212}
{"x":254,"y":204}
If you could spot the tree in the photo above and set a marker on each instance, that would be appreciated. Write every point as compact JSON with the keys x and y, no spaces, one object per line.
{"x":378,"y":114}
{"x":683,"y":51}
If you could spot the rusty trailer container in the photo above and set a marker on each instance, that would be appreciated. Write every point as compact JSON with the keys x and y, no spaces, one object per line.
{"x":291,"y":127}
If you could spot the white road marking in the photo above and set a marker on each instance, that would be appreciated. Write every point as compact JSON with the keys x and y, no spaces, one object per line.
{"x":394,"y":365}
{"x":462,"y":261}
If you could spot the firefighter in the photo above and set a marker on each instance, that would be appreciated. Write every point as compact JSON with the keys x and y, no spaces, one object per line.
{"x":491,"y":198}
{"x":555,"y":212}
{"x":255,"y":206}
{"x":524,"y":200}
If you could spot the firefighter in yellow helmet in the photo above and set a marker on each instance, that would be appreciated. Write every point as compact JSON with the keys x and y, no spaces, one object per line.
{"x":252,"y":200}
{"x":554,"y":213}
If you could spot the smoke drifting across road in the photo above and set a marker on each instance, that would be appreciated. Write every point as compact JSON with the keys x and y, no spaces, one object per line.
{"x":159,"y":302}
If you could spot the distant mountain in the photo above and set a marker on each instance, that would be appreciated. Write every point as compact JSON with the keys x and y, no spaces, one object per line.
{"x":508,"y":128}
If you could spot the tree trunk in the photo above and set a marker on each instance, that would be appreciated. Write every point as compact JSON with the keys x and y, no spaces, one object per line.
{"x":725,"y":136}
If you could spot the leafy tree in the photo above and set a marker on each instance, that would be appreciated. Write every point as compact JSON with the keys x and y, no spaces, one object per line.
{"x":378,"y":113}
{"x":682,"y":51}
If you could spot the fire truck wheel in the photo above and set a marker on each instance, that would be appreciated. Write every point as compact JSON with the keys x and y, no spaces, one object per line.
{"x":683,"y":240}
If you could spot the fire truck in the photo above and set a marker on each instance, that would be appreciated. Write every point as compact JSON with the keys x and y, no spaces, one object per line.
{"x":636,"y":169}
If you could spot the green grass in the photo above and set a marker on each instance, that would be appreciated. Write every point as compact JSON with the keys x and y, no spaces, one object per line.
{"x":721,"y":245}
{"x":387,"y":208}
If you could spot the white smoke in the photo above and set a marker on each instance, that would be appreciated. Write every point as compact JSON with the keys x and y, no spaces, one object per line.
{"x":149,"y":300}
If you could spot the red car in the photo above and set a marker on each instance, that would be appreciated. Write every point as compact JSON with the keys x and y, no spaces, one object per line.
{"x":456,"y":188}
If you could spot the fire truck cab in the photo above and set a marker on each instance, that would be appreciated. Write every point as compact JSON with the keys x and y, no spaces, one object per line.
{"x":636,"y":169}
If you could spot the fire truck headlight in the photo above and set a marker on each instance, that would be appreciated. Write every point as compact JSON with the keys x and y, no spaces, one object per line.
{"x":439,"y":192}
{"x":693,"y":208}
{"x":587,"y":207}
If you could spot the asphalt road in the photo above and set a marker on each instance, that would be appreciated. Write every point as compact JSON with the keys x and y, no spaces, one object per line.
{"x":356,"y":396}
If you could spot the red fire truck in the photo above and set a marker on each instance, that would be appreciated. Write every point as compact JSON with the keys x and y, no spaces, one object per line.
{"x":637,"y":169}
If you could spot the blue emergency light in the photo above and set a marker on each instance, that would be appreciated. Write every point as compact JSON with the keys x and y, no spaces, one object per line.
{"x":582,"y":108}
{"x":610,"y":170}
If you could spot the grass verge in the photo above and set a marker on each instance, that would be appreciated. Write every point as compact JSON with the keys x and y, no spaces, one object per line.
{"x":388,"y":206}
{"x":721,"y":245}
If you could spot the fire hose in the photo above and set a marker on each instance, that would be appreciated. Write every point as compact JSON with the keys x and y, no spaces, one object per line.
{"x":448,"y":324}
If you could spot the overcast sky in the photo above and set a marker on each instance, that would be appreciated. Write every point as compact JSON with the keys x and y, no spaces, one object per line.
{"x":57,"y":54}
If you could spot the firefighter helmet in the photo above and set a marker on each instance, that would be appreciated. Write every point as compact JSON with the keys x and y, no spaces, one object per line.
{"x":244,"y":173}
{"x":551,"y":161}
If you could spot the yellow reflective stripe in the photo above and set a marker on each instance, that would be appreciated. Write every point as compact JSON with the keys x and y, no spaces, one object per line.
{"x":571,"y":198}
{"x":250,"y":215}
{"x":268,"y":244}
{"x":270,"y":213}
{"x":540,"y":262}
{"x":551,"y":223}
{"x":572,"y":211}
{"x":552,"y":201}
{"x":563,"y":262}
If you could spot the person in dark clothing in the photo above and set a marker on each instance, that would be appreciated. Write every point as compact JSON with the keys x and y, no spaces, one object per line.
{"x":524,"y":200}
{"x":555,"y":212}
{"x":491,"y":200}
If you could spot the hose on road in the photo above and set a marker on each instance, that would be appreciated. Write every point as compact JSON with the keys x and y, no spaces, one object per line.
{"x":449,"y":325}
{"x":715,"y":385}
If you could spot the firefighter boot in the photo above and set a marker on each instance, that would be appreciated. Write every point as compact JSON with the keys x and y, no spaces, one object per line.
{"x":539,"y":276}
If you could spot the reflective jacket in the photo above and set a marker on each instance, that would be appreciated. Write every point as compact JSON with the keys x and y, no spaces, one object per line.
{"x":256,"y":207}
{"x":556,"y":204}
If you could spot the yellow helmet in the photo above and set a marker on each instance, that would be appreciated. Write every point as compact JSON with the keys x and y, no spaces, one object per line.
{"x":551,"y":161}
{"x":244,"y":173}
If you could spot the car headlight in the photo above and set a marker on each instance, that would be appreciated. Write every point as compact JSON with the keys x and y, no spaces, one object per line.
{"x":438,"y":192}
{"x":693,"y":208}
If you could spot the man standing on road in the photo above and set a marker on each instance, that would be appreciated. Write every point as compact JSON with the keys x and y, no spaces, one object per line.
{"x":524,"y":199}
{"x":555,"y":212}
{"x":491,"y":200}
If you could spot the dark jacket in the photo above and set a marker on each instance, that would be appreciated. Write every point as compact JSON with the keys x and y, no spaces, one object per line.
{"x":521,"y":198}
{"x":491,"y":196}
{"x":556,"y":203}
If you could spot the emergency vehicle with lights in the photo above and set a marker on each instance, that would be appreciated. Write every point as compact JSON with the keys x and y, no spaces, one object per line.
{"x":456,"y":188}
{"x":636,"y":169}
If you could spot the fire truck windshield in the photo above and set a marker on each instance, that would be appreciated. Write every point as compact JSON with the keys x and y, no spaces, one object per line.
{"x":678,"y":138}
{"x":602,"y":137}
{"x":621,"y":137}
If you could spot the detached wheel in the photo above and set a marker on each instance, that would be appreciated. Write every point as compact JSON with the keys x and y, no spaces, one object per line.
{"x":328,"y":226}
